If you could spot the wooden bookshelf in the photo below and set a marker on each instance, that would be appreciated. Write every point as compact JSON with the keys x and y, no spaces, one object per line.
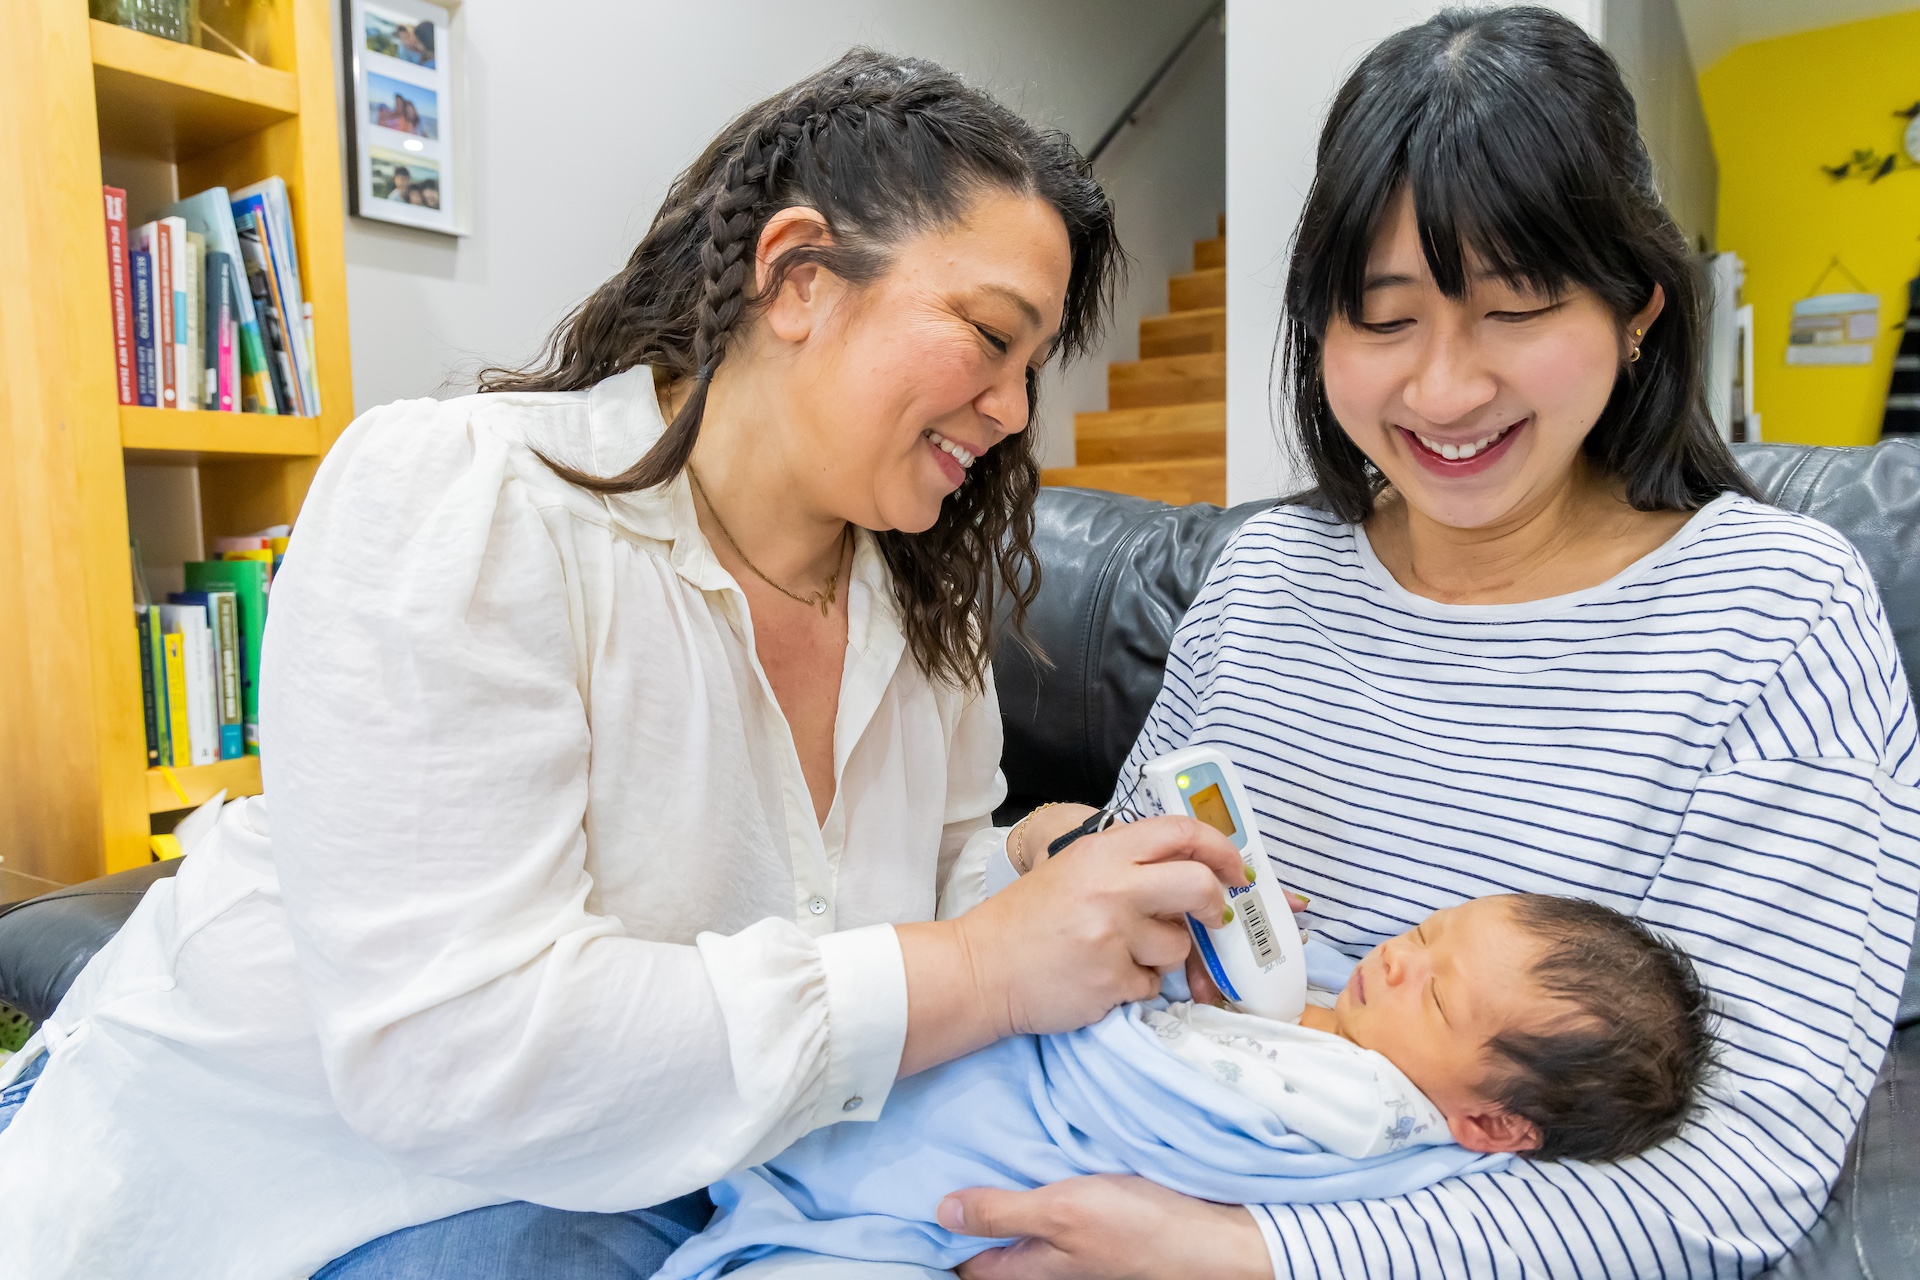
{"x":151,"y":435}
{"x":199,"y":783}
{"x":84,"y":103}
{"x":158,"y":97}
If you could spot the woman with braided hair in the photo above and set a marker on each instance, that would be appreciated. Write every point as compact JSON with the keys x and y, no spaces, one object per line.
{"x":632,"y":751}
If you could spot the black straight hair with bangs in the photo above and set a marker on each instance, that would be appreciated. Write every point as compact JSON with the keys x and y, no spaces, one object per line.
{"x":1520,"y":144}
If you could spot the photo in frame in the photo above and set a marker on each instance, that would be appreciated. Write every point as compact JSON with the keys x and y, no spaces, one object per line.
{"x":405,"y":124}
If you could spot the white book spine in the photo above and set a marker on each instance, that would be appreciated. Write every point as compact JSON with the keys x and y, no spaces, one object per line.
{"x":203,"y":695}
{"x":182,"y":349}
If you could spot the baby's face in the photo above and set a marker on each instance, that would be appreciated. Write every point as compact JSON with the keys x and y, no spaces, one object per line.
{"x":1430,"y":1000}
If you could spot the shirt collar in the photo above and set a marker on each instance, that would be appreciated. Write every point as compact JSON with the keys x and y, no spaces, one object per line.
{"x":624,"y":413}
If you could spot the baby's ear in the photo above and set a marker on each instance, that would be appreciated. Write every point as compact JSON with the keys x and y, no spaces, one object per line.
{"x":1489,"y":1128}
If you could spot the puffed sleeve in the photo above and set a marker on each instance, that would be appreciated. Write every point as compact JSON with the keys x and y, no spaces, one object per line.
{"x":426,"y":766}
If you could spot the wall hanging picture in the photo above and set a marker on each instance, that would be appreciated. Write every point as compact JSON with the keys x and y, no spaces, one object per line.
{"x":1834,"y":328}
{"x":404,"y":141}
{"x":1873,"y":164}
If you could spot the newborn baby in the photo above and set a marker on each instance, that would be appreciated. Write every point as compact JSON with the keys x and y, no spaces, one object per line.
{"x":1515,"y":1025}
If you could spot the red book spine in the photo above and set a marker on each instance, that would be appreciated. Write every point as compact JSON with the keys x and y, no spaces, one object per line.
{"x":229,"y":346}
{"x":118,"y":273}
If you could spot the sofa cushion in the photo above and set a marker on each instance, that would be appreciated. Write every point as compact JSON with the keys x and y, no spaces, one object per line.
{"x":45,"y":942}
{"x":1119,"y":572}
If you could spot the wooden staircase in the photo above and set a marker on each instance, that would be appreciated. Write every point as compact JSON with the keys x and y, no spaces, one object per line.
{"x":1164,"y":434}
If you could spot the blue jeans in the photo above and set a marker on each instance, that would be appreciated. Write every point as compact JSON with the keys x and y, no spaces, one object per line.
{"x":518,"y":1240}
{"x":502,"y":1242}
{"x":15,"y":1094}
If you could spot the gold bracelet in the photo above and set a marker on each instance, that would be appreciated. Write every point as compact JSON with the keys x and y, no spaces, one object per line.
{"x":1019,"y":834}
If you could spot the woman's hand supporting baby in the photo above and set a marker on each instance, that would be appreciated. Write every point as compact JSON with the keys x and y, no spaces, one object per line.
{"x":1106,"y":1228}
{"x":1082,"y":932}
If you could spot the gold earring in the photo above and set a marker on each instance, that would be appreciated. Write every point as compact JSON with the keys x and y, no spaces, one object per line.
{"x":1638,"y":332}
{"x":1633,"y":355}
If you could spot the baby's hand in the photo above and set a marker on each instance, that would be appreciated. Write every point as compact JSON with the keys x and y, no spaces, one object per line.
{"x":1200,"y":982}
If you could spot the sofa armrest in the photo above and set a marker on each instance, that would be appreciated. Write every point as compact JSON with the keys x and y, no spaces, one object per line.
{"x":45,"y":942}
{"x":1869,"y":1230}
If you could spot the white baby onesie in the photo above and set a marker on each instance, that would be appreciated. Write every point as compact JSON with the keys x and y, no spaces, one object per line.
{"x":1350,"y":1100}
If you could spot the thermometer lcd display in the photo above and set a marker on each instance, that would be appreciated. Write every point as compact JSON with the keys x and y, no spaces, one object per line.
{"x":1210,"y":807}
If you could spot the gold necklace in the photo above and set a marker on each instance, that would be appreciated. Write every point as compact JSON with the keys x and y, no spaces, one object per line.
{"x":823,"y":599}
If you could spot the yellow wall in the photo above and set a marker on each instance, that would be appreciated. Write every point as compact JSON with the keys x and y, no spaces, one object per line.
{"x":1778,"y":110}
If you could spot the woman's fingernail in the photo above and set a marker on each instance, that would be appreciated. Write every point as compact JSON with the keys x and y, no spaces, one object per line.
{"x":950,"y":1215}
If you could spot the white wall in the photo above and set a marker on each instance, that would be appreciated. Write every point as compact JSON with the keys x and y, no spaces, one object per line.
{"x":1167,"y":175}
{"x":1715,"y":27}
{"x":582,"y":112}
{"x":1647,"y":40}
{"x":1285,"y":59}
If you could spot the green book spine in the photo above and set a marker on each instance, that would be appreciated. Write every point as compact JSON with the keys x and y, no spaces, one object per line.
{"x":247,"y":579}
{"x":143,"y":625}
{"x":162,"y":713}
{"x":226,"y":642}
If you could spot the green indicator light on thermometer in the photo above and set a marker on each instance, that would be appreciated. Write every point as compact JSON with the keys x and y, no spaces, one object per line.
{"x":1182,"y":781}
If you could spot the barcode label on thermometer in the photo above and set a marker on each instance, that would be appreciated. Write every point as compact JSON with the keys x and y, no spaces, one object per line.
{"x":1250,"y":909}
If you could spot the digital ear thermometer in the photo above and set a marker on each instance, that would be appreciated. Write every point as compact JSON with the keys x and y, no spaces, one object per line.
{"x":1255,"y":956}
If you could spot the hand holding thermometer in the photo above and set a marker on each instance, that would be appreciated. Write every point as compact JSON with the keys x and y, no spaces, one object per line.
{"x":1255,"y":956}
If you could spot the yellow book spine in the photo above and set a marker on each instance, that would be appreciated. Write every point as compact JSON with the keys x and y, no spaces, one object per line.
{"x":176,"y":660}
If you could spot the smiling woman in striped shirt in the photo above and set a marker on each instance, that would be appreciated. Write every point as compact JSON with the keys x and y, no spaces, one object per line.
{"x":1536,"y":634}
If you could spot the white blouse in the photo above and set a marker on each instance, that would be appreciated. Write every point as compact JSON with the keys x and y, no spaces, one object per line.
{"x":545,"y":913}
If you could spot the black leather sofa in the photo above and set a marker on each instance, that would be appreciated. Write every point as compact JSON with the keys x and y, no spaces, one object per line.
{"x":1119,"y":572}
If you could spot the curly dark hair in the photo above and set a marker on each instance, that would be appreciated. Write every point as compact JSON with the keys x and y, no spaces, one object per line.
{"x":883,"y":148}
{"x":1627,"y":1068}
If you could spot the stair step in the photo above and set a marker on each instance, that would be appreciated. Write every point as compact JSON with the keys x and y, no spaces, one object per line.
{"x":1209,"y":253}
{"x":1187,"y":431}
{"x":1197,"y":480}
{"x":1198,"y":289}
{"x":1184,"y":333}
{"x":1142,"y":384}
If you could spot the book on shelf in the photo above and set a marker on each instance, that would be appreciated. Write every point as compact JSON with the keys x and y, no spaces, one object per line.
{"x":223,"y":324}
{"x":221,"y":611}
{"x":189,"y":622}
{"x":193,"y":306}
{"x":214,"y":213}
{"x":174,"y":234}
{"x":267,"y":305}
{"x":200,"y":652}
{"x":153,"y":704}
{"x":145,"y":354}
{"x":247,"y":580}
{"x":172,"y":677}
{"x":273,"y":214}
{"x":155,"y":239}
{"x":120,"y":286}
{"x":226,"y":327}
{"x":149,"y":705}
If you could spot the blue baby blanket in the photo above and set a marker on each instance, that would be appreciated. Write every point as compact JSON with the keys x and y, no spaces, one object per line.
{"x":1031,"y":1110}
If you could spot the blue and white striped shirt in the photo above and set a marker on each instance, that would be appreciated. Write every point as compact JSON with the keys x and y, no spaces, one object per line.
{"x":1719,"y":740}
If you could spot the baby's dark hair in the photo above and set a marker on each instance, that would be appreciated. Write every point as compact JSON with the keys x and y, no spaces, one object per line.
{"x":1627,"y":1069}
